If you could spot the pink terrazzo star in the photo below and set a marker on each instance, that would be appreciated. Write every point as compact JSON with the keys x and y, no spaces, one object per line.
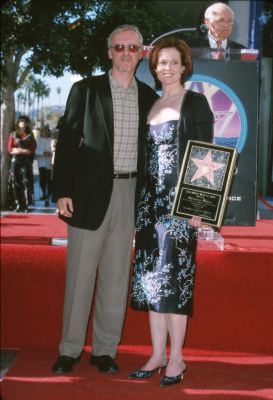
{"x":206,"y":168}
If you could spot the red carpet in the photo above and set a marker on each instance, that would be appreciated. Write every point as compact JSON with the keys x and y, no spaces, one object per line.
{"x":232,"y":309}
{"x":31,"y":229}
{"x":40,"y":229}
{"x":232,"y":313}
{"x":209,"y":376}
{"x":233,"y":294}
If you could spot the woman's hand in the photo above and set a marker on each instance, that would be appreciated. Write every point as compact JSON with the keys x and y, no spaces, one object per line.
{"x":18,"y":150}
{"x":195,"y":222}
{"x":15,"y":150}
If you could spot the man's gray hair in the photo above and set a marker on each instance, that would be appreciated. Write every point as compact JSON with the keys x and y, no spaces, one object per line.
{"x":122,"y":28}
{"x":210,"y":11}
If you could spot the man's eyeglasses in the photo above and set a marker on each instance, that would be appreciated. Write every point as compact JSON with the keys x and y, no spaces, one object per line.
{"x":223,"y":21}
{"x":119,"y":48}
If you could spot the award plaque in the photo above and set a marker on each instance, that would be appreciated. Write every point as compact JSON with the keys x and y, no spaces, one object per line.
{"x":204,"y":182}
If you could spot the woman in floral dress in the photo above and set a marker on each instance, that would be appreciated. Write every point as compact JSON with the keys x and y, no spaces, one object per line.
{"x":164,"y":266}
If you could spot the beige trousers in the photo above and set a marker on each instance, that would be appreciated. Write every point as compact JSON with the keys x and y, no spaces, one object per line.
{"x":105,"y":254}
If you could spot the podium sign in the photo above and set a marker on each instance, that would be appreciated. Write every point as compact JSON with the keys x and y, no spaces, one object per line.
{"x":231,"y":88}
{"x":204,"y":182}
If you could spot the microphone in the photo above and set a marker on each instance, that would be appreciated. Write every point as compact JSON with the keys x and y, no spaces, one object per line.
{"x":204,"y":28}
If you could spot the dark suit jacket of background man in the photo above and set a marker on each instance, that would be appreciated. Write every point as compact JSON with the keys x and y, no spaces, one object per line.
{"x":84,"y":164}
{"x":203,"y":41}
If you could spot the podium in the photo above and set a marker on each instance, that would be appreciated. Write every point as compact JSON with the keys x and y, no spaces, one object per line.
{"x":231,"y":87}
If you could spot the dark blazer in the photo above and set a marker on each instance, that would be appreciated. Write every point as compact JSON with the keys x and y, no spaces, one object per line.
{"x":203,"y":41}
{"x":195,"y":123}
{"x":84,"y":165}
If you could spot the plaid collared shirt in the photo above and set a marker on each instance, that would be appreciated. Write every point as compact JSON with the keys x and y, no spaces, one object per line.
{"x":125,"y":104}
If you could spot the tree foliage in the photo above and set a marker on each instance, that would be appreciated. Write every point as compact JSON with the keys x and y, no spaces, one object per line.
{"x":71,"y":34}
{"x":49,"y":37}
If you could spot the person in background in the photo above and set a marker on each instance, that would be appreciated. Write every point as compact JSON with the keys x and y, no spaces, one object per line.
{"x":21,"y":147}
{"x":165,"y":246}
{"x":44,"y":156}
{"x":99,"y":158}
{"x":54,"y":140}
{"x":218,"y":20}
{"x":55,"y":136}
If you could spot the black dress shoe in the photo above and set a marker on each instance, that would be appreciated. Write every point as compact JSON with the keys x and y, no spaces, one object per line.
{"x":64,"y":364}
{"x":104,"y":364}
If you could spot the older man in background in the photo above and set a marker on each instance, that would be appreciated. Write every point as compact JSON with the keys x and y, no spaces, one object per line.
{"x":218,"y":20}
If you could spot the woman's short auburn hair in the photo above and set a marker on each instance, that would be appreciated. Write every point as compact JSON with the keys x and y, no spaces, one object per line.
{"x":181,"y":47}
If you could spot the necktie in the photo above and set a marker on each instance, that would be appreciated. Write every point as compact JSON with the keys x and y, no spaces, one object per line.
{"x":219,"y":51}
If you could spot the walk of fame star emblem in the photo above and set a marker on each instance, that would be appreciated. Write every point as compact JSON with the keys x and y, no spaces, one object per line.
{"x":206,"y":168}
{"x":204,"y":182}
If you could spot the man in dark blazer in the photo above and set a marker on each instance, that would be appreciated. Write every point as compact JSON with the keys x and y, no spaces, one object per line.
{"x":219,"y":19}
{"x":99,"y":158}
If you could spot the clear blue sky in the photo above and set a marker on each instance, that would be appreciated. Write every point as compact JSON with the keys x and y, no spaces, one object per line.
{"x":65,"y":83}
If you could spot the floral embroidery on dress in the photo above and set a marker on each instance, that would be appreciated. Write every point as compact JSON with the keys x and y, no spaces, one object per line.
{"x":164,"y":266}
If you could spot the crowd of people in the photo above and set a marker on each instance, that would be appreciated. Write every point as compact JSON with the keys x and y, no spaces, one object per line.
{"x":116,"y":166}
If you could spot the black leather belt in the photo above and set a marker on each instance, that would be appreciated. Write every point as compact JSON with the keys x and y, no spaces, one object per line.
{"x":125,"y":175}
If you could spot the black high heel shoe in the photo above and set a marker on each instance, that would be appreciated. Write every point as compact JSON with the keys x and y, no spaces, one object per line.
{"x":141,"y":374}
{"x":171,"y":380}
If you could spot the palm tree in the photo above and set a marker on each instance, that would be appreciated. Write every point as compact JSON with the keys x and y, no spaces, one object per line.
{"x":58,"y":90}
{"x":33,"y":89}
{"x":20,"y":101}
{"x":30,"y":92}
{"x":44,"y":94}
{"x":41,"y":90}
{"x":27,"y":97}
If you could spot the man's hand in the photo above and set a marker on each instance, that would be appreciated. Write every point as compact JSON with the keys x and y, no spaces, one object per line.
{"x":65,"y":207}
